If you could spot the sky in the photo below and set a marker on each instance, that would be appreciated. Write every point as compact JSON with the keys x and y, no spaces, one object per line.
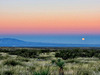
{"x":66,"y":18}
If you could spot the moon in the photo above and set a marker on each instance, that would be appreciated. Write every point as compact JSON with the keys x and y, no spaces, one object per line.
{"x":83,"y":39}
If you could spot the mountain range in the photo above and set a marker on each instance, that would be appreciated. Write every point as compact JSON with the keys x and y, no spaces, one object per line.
{"x":12,"y":42}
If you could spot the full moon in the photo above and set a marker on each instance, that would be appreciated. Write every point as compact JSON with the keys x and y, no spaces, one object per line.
{"x":83,"y":38}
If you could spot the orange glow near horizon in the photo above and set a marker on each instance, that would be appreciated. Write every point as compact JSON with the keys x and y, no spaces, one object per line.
{"x":73,"y":23}
{"x":50,"y":22}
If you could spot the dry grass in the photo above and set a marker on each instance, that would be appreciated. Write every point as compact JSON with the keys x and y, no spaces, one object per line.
{"x":27,"y":66}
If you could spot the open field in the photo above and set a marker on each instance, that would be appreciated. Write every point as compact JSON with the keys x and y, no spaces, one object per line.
{"x":49,"y":61}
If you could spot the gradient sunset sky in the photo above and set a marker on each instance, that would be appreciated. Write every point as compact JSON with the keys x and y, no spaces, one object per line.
{"x":50,"y":17}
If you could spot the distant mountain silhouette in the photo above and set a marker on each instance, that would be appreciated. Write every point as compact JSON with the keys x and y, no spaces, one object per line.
{"x":11,"y":42}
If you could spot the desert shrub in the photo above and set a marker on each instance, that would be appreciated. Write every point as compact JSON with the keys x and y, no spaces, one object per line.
{"x":72,"y":61}
{"x":29,"y":53}
{"x":45,"y":51}
{"x":53,"y":61}
{"x":74,"y":53}
{"x":3,"y":57}
{"x":44,"y":57}
{"x":22,"y":59}
{"x":31,"y":68}
{"x":25,"y":53}
{"x":84,"y":72}
{"x":42,"y":72}
{"x":11,"y":62}
{"x":8,"y":72}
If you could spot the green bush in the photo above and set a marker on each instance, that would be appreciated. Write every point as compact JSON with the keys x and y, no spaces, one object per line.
{"x":11,"y":62}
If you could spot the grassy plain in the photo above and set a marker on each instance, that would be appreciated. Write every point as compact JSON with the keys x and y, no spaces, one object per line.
{"x":42,"y":64}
